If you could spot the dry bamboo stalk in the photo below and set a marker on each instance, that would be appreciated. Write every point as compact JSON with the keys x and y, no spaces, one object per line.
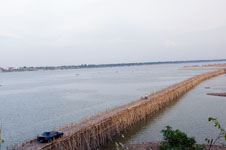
{"x":97,"y":131}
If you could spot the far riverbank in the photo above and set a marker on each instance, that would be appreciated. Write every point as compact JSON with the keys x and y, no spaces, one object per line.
{"x":85,"y":66}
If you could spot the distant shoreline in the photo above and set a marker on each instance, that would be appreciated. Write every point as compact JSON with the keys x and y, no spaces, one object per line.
{"x":23,"y":69}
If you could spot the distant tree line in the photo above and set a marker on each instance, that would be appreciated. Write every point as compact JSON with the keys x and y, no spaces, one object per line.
{"x":21,"y":69}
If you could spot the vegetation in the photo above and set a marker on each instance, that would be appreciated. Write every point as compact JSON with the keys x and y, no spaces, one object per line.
{"x":177,"y":140}
{"x":1,"y":140}
{"x":221,"y":136}
{"x":26,"y":68}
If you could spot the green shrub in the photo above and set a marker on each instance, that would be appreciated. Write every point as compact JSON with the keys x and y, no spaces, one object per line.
{"x":177,"y":140}
{"x":221,"y":136}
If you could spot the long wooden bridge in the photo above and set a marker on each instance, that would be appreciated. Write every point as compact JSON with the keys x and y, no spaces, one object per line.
{"x":97,"y":130}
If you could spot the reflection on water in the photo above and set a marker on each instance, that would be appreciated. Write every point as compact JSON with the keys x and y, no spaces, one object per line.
{"x":132,"y":135}
{"x":189,"y":113}
{"x":33,"y":102}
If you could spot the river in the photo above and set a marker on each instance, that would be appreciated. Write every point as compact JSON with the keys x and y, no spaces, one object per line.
{"x":33,"y":102}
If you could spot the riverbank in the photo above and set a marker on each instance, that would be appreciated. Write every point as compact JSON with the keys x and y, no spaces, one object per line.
{"x":83,"y":66}
{"x":205,"y":67}
{"x":217,"y":94}
{"x":155,"y":146}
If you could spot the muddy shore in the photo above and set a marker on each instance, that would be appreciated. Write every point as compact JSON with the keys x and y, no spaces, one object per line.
{"x":155,"y":146}
{"x":217,"y":94}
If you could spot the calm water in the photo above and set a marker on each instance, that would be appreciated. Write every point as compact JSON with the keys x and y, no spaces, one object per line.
{"x":33,"y":102}
{"x":189,"y":114}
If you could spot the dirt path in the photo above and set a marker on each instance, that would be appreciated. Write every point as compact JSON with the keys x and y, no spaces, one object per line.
{"x":75,"y":127}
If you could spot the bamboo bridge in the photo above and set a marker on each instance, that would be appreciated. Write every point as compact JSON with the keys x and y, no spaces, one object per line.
{"x":97,"y":130}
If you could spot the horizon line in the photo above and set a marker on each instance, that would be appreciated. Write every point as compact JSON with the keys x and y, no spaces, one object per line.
{"x":124,"y":64}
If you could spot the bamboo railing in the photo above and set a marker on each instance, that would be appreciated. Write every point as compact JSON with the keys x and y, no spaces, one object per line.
{"x":93,"y":132}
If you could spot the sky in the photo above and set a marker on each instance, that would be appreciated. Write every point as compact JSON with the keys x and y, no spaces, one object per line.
{"x":73,"y":32}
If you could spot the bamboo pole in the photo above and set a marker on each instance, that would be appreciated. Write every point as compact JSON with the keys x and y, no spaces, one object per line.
{"x":95,"y":131}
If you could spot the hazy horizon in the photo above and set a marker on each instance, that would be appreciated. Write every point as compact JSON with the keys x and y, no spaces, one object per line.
{"x":56,"y":32}
{"x":157,"y":62}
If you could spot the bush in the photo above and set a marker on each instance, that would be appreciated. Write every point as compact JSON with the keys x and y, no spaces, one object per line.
{"x":221,"y":136}
{"x":177,"y":140}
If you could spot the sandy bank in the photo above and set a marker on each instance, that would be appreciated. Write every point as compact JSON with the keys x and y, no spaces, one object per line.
{"x":217,"y":94}
{"x":155,"y":146}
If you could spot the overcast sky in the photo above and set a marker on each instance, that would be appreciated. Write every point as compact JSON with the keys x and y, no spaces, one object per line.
{"x":72,"y":32}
